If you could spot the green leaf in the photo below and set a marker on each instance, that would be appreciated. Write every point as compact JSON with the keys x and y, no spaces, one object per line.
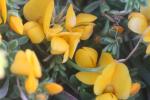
{"x":13,"y":44}
{"x":23,"y":40}
{"x":107,"y":40}
{"x":92,"y":6}
{"x":104,"y":7}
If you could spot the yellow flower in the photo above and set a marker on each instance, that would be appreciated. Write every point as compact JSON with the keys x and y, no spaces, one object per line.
{"x":3,"y":10}
{"x":148,"y":50}
{"x":53,"y":88}
{"x":81,"y":23}
{"x":27,"y":64}
{"x":3,"y":63}
{"x":110,"y":80}
{"x":38,"y":10}
{"x":1,"y":21}
{"x":16,"y":24}
{"x":145,"y":10}
{"x":68,"y":42}
{"x":86,"y":57}
{"x":34,"y":31}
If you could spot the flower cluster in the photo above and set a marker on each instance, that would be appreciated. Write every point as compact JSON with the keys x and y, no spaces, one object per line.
{"x":108,"y":83}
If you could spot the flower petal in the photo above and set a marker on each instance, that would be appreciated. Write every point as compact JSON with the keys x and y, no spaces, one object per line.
{"x":85,"y":18}
{"x":53,"y":88}
{"x":137,"y":23}
{"x":31,"y":84}
{"x":121,"y":81}
{"x":16,"y":24}
{"x":21,"y":66}
{"x":146,"y":35}
{"x":85,"y":30}
{"x":58,"y":46}
{"x":70,"y":18}
{"x":86,"y":57}
{"x":48,"y":16}
{"x":106,"y":96}
{"x":146,"y":9}
{"x":34,"y":31}
{"x":103,"y":62}
{"x":34,"y":10}
{"x":32,"y":58}
{"x":104,"y":79}
{"x":87,"y":77}
{"x":135,"y":88}
{"x":3,"y":10}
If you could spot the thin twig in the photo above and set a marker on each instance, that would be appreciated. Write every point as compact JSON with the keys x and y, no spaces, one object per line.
{"x":109,"y":17}
{"x":132,"y":52}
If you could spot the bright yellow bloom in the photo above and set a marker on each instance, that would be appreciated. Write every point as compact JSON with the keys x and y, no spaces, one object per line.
{"x":16,"y":24}
{"x":135,"y":88}
{"x":81,"y":23}
{"x":38,"y":10}
{"x":65,"y":43}
{"x":86,"y":57}
{"x":137,"y":23}
{"x":3,"y":10}
{"x":145,"y":10}
{"x":34,"y":31}
{"x":110,"y":80}
{"x":26,"y":63}
{"x":1,"y":20}
{"x":53,"y":88}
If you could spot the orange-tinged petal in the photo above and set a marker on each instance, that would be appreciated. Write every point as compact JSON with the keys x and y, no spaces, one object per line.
{"x":32,"y":58}
{"x":86,"y":30}
{"x":16,"y":24}
{"x":53,"y":88}
{"x":135,"y":88}
{"x":88,"y":78}
{"x":34,"y":10}
{"x":58,"y":46}
{"x":31,"y":84}
{"x":3,"y":10}
{"x":21,"y":66}
{"x":146,"y":35}
{"x":106,"y":96}
{"x":70,"y":18}
{"x":34,"y":31}
{"x":66,"y":56}
{"x":86,"y":57}
{"x":121,"y":81}
{"x":148,"y":50}
{"x":104,"y":79}
{"x":85,"y":18}
{"x":105,"y":59}
{"x":48,"y":15}
{"x":137,"y":23}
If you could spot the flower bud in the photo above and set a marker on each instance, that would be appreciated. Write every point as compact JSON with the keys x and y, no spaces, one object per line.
{"x":135,"y":88}
{"x":86,"y":57}
{"x":53,"y":88}
{"x":34,"y":31}
{"x":16,"y":24}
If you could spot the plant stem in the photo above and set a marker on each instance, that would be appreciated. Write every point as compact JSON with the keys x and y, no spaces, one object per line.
{"x":132,"y":52}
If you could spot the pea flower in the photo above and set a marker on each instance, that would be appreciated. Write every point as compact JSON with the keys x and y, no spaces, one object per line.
{"x":27,"y":64}
{"x":138,"y":23}
{"x":3,"y":10}
{"x":65,"y":43}
{"x":16,"y":24}
{"x":3,"y":63}
{"x":34,"y":31}
{"x":110,"y":82}
{"x":81,"y":23}
{"x":53,"y":88}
